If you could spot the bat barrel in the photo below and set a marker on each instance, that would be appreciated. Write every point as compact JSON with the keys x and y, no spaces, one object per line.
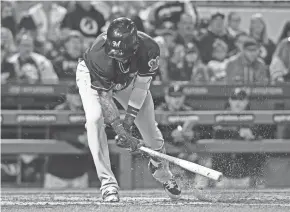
{"x":193,"y":167}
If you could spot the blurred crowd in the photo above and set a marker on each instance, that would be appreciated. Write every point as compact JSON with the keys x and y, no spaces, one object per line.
{"x":41,"y":43}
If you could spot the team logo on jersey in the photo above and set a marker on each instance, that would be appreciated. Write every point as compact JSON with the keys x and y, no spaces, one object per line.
{"x":116,"y":44}
{"x":153,"y":64}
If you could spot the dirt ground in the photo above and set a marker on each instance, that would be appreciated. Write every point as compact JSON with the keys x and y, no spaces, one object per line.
{"x":145,"y":201}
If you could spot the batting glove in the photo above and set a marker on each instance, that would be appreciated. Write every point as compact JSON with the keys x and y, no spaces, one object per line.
{"x":127,"y":141}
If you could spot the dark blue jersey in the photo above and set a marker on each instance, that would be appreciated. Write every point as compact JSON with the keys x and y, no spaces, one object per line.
{"x":107,"y":72}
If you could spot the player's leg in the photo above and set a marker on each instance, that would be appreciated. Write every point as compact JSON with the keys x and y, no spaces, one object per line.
{"x":95,"y":126}
{"x":145,"y":121}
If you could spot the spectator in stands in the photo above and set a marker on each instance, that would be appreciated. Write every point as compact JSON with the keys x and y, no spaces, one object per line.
{"x":135,"y":17}
{"x":47,"y":18}
{"x":69,"y":171}
{"x":239,"y":42}
{"x":131,"y":10}
{"x":186,"y":30}
{"x":280,"y":65}
{"x":87,"y":19}
{"x":31,"y":67}
{"x":200,"y":72}
{"x":31,"y":168}
{"x":178,"y":68}
{"x":9,"y":16}
{"x":258,"y":30}
{"x":234,"y":22}
{"x":10,"y":169}
{"x":65,"y":65}
{"x":27,"y":25}
{"x":7,"y":40}
{"x":202,"y":27}
{"x":247,"y":67}
{"x":174,"y":102}
{"x":162,"y":74}
{"x":168,"y":11}
{"x":126,"y":10}
{"x":217,"y":66}
{"x":168,"y":32}
{"x":44,"y":20}
{"x":285,"y":32}
{"x":7,"y":68}
{"x":216,"y":31}
{"x":174,"y":99}
{"x":117,"y":11}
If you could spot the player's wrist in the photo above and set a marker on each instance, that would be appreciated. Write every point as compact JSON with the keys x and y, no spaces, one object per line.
{"x":132,"y":112}
{"x":130,"y":116}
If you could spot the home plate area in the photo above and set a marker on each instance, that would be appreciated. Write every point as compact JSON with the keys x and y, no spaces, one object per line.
{"x":146,"y":200}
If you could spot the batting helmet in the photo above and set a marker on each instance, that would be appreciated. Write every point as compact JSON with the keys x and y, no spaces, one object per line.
{"x":122,"y":40}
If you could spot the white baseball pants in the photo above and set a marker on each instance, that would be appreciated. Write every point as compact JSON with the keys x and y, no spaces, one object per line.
{"x":97,"y":139}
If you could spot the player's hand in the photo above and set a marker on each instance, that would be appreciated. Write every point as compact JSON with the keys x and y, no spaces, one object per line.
{"x":127,"y":141}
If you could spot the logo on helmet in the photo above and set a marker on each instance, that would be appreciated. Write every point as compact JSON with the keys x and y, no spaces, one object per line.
{"x":153,"y":64}
{"x":116,"y":44}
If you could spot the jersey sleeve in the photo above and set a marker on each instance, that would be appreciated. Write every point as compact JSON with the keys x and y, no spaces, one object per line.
{"x":149,"y":63}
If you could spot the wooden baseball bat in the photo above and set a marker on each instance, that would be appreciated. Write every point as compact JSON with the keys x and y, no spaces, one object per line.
{"x":193,"y":167}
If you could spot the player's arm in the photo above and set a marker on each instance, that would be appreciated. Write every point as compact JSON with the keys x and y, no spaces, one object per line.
{"x":112,"y":116}
{"x":141,"y":87}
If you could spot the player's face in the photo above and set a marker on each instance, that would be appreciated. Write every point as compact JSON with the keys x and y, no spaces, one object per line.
{"x":238,"y":105}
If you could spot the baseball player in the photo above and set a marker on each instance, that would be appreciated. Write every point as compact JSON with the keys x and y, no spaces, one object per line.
{"x":120,"y":64}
